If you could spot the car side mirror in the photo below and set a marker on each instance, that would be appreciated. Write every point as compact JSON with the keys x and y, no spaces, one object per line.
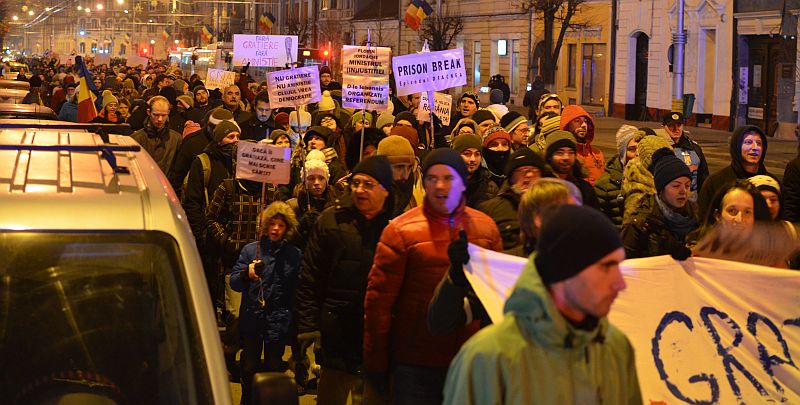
{"x":274,"y":389}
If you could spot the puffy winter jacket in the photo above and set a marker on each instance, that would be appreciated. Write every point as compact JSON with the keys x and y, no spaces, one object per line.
{"x":590,"y":157}
{"x":534,"y":356}
{"x":648,"y":233}
{"x":503,"y":210}
{"x":608,"y":189}
{"x":480,"y":188}
{"x":791,"y":191}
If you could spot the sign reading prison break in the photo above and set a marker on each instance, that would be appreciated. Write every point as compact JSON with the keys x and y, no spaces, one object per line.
{"x":429,"y":71}
{"x":264,"y":50}
{"x":263,"y":162}
{"x":365,"y":77}
{"x":293,"y":87}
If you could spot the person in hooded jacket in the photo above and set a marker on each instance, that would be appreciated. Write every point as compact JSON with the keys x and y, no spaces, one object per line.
{"x":748,"y":148}
{"x":464,"y":126}
{"x":609,"y":186}
{"x":317,"y":137}
{"x":479,"y":187}
{"x":495,"y":152}
{"x":372,"y":137}
{"x":577,"y":121}
{"x":524,"y":167}
{"x":555,"y":331}
{"x":338,"y":140}
{"x":637,"y":183}
{"x":687,"y":150}
{"x":560,"y":155}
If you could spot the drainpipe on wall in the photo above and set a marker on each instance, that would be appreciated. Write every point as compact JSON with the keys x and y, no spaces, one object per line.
{"x":679,"y":39}
{"x":612,"y":70}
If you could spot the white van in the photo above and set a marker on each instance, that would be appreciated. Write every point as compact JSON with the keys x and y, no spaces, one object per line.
{"x":102,"y":293}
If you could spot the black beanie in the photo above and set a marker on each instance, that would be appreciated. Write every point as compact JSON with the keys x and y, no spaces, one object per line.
{"x":449,"y":157}
{"x":483,"y":115}
{"x":377,"y":167}
{"x":668,"y":168}
{"x":571,"y":239}
{"x":320,"y":131}
{"x":658,"y":154}
{"x":407,"y":116}
{"x":525,"y":157}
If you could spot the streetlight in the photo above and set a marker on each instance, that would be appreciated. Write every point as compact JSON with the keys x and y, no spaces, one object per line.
{"x":120,"y":1}
{"x":152,"y":42}
{"x":99,"y":6}
{"x":30,"y":12}
{"x":87,"y":10}
{"x":15,"y":18}
{"x":177,"y":42}
{"x":80,"y":8}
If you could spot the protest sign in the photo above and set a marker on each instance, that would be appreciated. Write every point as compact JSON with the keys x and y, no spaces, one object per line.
{"x":102,"y":59}
{"x":429,"y":71}
{"x":443,"y":104}
{"x":704,"y":330}
{"x":264,"y":50}
{"x":66,"y":59}
{"x":219,"y":79}
{"x":136,"y":60}
{"x":263,"y":162}
{"x":365,"y":77}
{"x":293,"y":87}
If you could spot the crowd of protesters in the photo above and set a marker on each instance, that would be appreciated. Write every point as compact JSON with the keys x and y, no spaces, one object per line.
{"x":361,"y":255}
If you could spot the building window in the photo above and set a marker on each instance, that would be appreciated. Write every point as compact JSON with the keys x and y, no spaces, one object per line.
{"x":476,"y":63}
{"x":572,"y":56}
{"x":329,"y":4}
{"x":594,"y":74}
{"x":514,"y":66}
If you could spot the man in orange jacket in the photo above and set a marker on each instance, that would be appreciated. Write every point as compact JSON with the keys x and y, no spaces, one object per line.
{"x":576,"y":120}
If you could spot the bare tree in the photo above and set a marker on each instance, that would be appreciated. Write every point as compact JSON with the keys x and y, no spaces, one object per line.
{"x":551,"y":12}
{"x":441,"y":31}
{"x":379,"y":34}
{"x":302,"y":29}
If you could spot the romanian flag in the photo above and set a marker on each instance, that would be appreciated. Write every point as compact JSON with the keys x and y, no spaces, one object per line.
{"x":86,"y":92}
{"x":416,"y":13}
{"x":165,"y":34}
{"x":266,"y":21}
{"x":127,"y":39}
{"x":207,"y":33}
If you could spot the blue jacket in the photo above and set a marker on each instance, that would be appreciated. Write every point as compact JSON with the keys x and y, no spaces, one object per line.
{"x":279,"y":277}
{"x":69,"y":112}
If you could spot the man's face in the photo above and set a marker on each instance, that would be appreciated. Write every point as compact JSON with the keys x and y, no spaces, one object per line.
{"x":123,"y":110}
{"x":443,"y":188}
{"x":752,"y":148}
{"x":563,"y":159}
{"x":368,"y":194}
{"x":325,"y":79}
{"x":283,"y":142}
{"x":276,"y":228}
{"x":232,"y":137}
{"x":499,"y":145}
{"x":159,"y":113}
{"x":231,"y":97}
{"x":404,"y":123}
{"x":316,"y":142}
{"x":70,"y":92}
{"x":592,"y":291}
{"x":402,"y":170}
{"x":315,"y":184}
{"x":551,"y":106}
{"x":486,"y":124}
{"x":579,"y":127}
{"x":263,"y":112}
{"x":674,"y":129}
{"x":472,"y":157}
{"x":519,"y":136}
{"x":631,"y":151}
{"x":523,"y":177}
{"x":328,"y":122}
{"x":467,"y":107}
{"x":201,"y":97}
{"x":676,"y":193}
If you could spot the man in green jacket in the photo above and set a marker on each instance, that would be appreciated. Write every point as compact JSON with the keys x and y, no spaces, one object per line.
{"x":555,"y":344}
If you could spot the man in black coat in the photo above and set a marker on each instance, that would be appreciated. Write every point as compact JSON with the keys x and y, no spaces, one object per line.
{"x":194,"y":144}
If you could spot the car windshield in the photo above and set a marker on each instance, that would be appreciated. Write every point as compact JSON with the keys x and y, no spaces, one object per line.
{"x":97,"y":315}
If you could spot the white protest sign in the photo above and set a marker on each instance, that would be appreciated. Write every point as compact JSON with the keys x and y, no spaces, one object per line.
{"x":293,"y":87}
{"x":102,"y":59}
{"x":704,"y":330}
{"x":365,"y":77}
{"x":219,"y":79}
{"x":66,"y":59}
{"x":429,"y":71}
{"x":136,"y":60}
{"x":443,"y":104}
{"x":264,"y":50}
{"x":370,"y":93}
{"x":263,"y":162}
{"x":366,"y":61}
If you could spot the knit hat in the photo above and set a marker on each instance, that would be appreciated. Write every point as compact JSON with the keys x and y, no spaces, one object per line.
{"x":315,"y":164}
{"x":304,"y":120}
{"x":218,"y":115}
{"x":224,"y":128}
{"x":547,"y":97}
{"x":379,"y":168}
{"x":625,"y":134}
{"x":396,"y":148}
{"x":496,"y":96}
{"x":384,"y":119}
{"x":282,"y":118}
{"x":495,"y":132}
{"x":189,"y":127}
{"x":199,"y":88}
{"x":471,"y":95}
{"x":511,"y":120}
{"x":498,"y":110}
{"x":108,"y":99}
{"x":465,"y":122}
{"x":648,"y":146}
{"x":178,"y":85}
{"x":186,"y":99}
{"x":275,"y":134}
{"x":764,"y":182}
{"x":357,"y":118}
{"x":668,"y":168}
{"x":483,"y":115}
{"x":406,"y":116}
{"x":559,"y":139}
{"x":325,"y":69}
{"x":410,"y":134}
{"x":327,"y":103}
{"x":318,"y":130}
{"x":448,"y":157}
{"x":170,"y":94}
{"x":567,"y":229}
{"x":525,"y":157}
{"x":466,"y":141}
{"x":549,"y":125}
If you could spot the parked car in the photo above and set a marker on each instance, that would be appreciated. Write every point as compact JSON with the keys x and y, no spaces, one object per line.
{"x":14,"y":84}
{"x":27,"y":111}
{"x":12,"y":96}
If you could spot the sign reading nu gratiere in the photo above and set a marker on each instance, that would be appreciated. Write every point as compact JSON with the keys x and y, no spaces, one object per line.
{"x":429,"y":71}
{"x":293,"y":87}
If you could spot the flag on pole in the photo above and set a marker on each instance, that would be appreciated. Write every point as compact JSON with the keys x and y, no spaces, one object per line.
{"x":86,"y":92}
{"x":266,"y":22}
{"x":127,"y":39}
{"x":416,"y":13}
{"x":207,"y":33}
{"x":165,"y":34}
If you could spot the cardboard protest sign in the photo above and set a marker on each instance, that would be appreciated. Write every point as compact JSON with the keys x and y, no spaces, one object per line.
{"x":429,"y":71}
{"x":365,"y":77}
{"x":443,"y":103}
{"x":264,"y":50}
{"x":293,"y":87}
{"x":263,"y":162}
{"x":704,"y":330}
{"x":219,"y":79}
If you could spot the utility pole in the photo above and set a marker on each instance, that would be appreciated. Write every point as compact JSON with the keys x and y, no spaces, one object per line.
{"x":679,"y":40}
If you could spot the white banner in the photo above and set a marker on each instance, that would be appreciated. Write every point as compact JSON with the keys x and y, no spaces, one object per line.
{"x":429,"y":71}
{"x":370,"y":93}
{"x":704,"y":330}
{"x":443,"y":104}
{"x":264,"y":50}
{"x":366,"y":62}
{"x":365,"y":77}
{"x":219,"y":79}
{"x":293,"y":87}
{"x":136,"y":60}
{"x":263,"y":162}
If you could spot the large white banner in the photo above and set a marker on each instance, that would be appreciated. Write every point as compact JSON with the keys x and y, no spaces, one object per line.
{"x":264,"y":50}
{"x":365,"y":77}
{"x":704,"y":330}
{"x":429,"y":71}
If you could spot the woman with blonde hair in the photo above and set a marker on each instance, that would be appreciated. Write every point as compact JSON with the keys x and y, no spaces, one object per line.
{"x":544,"y":193}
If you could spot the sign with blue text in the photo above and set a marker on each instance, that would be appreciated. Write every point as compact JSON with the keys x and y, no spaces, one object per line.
{"x":263,"y":162}
{"x":429,"y":71}
{"x":264,"y":50}
{"x":704,"y":330}
{"x":294,"y":87}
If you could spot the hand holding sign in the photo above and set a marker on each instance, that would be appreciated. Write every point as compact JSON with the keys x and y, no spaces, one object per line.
{"x":263,"y":162}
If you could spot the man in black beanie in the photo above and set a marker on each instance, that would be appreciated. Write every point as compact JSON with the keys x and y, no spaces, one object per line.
{"x":410,"y":260}
{"x":555,"y":319}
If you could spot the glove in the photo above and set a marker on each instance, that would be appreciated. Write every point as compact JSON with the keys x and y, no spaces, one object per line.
{"x":308,"y":338}
{"x":308,"y":220}
{"x":457,"y":252}
{"x":680,"y":253}
{"x":379,"y":382}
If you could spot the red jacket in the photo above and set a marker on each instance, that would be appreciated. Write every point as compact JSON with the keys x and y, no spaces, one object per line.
{"x":590,"y":157}
{"x":410,"y":260}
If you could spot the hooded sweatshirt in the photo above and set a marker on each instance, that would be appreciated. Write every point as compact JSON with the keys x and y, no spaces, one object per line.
{"x":591,"y":157}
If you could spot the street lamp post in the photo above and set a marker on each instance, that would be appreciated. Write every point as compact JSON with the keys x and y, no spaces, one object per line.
{"x":679,"y":39}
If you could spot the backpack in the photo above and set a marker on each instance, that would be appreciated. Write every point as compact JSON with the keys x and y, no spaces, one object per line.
{"x":206,"y":162}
